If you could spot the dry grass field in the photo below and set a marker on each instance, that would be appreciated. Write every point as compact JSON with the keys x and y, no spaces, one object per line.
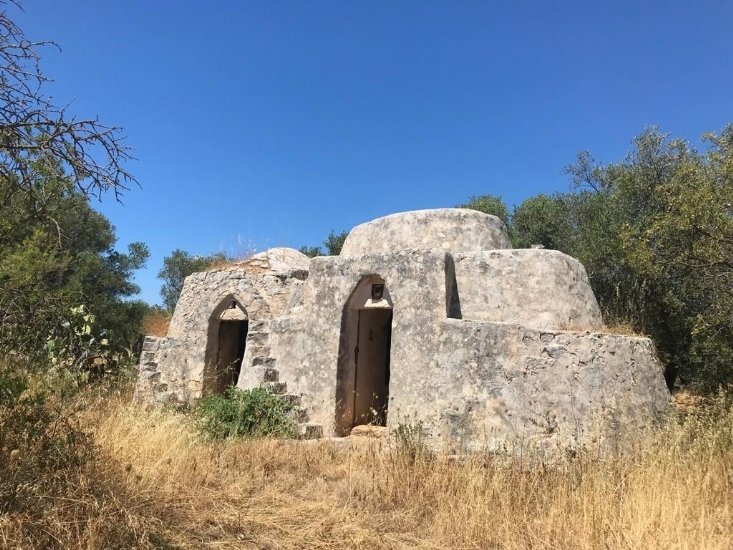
{"x":157,"y":323}
{"x":157,"y":484}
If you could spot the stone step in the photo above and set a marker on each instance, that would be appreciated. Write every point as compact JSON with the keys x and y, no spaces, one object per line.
{"x":299,"y":415}
{"x":258,"y":349}
{"x":254,"y":338}
{"x":294,"y":399}
{"x":263,"y":361}
{"x":257,"y":376}
{"x":276,"y":387}
{"x":151,"y":343}
{"x":264,"y":374}
{"x":310,"y":430}
{"x":147,"y":357}
{"x":252,"y":377}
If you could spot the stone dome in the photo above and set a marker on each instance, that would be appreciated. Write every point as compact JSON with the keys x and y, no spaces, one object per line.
{"x":450,"y":229}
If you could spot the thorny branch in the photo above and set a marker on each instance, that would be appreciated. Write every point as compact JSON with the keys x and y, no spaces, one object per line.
{"x":34,"y":131}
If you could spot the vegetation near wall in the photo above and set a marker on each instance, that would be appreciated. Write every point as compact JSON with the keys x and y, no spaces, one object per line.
{"x":81,"y":467}
{"x":655,"y":233}
{"x":56,"y":253}
{"x":176,"y":267}
{"x":256,"y":412}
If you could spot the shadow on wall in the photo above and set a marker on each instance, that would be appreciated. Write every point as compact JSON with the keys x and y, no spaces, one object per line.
{"x":452,"y":299}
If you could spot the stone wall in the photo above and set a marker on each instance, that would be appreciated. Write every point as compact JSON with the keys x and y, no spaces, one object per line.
{"x":476,"y":385}
{"x":263,"y":286}
{"x":170,"y":372}
{"x":490,"y":349}
{"x":308,"y":345}
{"x":493,"y":386}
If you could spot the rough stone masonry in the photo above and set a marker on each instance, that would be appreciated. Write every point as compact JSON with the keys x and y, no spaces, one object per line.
{"x":427,"y":319}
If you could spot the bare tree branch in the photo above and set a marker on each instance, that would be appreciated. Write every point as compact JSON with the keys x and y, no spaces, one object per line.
{"x":34,"y":131}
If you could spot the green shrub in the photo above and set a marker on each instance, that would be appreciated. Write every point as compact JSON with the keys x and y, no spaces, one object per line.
{"x":245,"y":413}
{"x":41,"y":442}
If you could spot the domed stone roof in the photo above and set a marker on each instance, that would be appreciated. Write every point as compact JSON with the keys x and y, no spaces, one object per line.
{"x":449,"y":229}
{"x":278,"y":260}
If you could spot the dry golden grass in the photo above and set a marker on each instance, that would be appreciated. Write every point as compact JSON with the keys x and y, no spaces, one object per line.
{"x":155,"y":484}
{"x":622,"y":329}
{"x":56,"y":491}
{"x":156,"y":323}
{"x":688,"y":402}
{"x":231,"y":262}
{"x":619,"y":329}
{"x":676,"y":492}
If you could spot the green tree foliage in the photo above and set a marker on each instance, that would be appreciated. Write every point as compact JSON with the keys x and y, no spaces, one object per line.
{"x":56,"y":252}
{"x":310,"y":251}
{"x":488,"y":204}
{"x":543,"y":220}
{"x":655,"y":233}
{"x":176,"y":267}
{"x":335,"y":242}
{"x":677,"y":237}
{"x":332,"y":244}
{"x":59,"y":258}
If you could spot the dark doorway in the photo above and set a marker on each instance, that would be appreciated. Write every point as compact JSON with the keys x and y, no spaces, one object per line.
{"x":362,"y":384}
{"x":371,"y":367}
{"x":232,"y":341}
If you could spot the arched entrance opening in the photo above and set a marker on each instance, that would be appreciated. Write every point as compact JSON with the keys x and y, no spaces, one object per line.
{"x":225,"y":348}
{"x":362,"y":391}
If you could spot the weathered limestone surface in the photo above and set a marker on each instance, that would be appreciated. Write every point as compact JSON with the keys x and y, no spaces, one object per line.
{"x":148,"y":388}
{"x":170,"y":372}
{"x":308,"y":345}
{"x":473,"y":385}
{"x":449,"y":229}
{"x":543,"y":289}
{"x":262,"y":286}
{"x":491,"y":348}
{"x":500,"y":386}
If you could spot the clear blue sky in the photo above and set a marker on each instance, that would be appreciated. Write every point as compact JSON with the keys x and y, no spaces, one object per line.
{"x":268,"y":123}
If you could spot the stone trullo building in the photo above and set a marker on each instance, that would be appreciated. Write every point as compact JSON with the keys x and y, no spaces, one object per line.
{"x":426,"y":318}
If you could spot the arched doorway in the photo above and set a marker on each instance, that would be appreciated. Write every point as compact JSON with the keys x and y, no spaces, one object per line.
{"x":228,"y":329}
{"x":364,"y":357}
